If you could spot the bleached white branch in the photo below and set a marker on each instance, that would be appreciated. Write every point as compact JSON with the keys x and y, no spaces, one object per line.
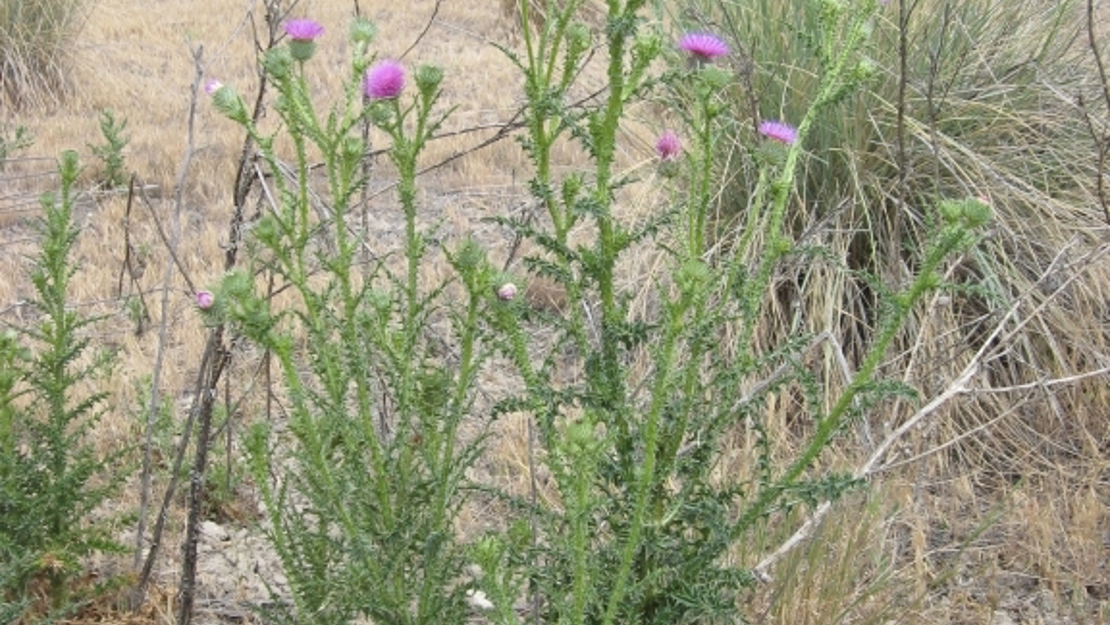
{"x":997,"y":339}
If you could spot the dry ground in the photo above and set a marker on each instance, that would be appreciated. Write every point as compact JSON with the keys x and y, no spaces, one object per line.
{"x":931,"y":545}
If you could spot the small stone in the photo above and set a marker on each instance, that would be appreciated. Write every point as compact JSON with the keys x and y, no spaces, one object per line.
{"x":214,"y":530}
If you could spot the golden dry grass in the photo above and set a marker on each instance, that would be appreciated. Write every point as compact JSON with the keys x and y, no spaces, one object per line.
{"x":919,"y":550}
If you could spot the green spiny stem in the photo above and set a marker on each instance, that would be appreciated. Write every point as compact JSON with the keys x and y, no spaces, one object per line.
{"x":463,"y":384}
{"x":703,"y":197}
{"x":296,"y":268}
{"x":777,"y":244}
{"x":556,"y":43}
{"x":646,"y":474}
{"x":611,"y":382}
{"x":831,"y":423}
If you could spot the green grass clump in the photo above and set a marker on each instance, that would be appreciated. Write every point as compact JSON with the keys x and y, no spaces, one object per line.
{"x":36,"y":38}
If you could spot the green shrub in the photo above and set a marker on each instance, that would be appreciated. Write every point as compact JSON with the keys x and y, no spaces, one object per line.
{"x":51,"y":476}
{"x":654,"y":503}
{"x":110,"y":152}
{"x":363,"y":489}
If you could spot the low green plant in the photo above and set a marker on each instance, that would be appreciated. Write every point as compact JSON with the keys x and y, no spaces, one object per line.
{"x":20,"y":139}
{"x":633,"y":409}
{"x":51,"y":476}
{"x":227,"y":477}
{"x":110,"y":152}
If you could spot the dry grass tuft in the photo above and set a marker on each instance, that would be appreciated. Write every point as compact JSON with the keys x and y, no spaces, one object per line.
{"x":36,"y":51}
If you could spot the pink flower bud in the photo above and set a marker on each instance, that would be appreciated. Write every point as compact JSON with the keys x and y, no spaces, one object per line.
{"x":669,"y":146}
{"x":506,"y":291}
{"x":205,"y":299}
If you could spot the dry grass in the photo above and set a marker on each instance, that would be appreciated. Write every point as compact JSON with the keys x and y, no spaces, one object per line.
{"x":958,"y":533}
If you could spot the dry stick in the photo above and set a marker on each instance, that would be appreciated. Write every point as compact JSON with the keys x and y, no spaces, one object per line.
{"x":186,"y":593}
{"x":1101,"y":139}
{"x":233,"y":407}
{"x":900,"y":132}
{"x":155,"y":393}
{"x":179,"y":458}
{"x":148,"y":436}
{"x":958,"y":386}
{"x":219,"y":357}
{"x":171,"y":246}
{"x":1043,"y":385}
{"x":126,"y":264}
{"x":229,"y":414}
{"x":133,"y":273}
{"x":423,"y":33}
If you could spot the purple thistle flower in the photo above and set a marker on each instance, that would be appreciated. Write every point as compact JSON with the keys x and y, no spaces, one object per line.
{"x":212,"y":86}
{"x":205,"y":299}
{"x":303,"y":30}
{"x":669,"y":146}
{"x":703,"y":46}
{"x":384,"y":80}
{"x":778,"y":131}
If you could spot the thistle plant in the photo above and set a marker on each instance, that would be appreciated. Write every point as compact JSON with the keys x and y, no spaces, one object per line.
{"x":632,"y":411}
{"x":51,"y":476}
{"x":363,"y":486}
{"x":648,"y":527}
{"x":110,"y":152}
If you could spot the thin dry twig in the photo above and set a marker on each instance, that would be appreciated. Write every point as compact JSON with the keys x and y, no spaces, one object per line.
{"x":213,"y":360}
{"x":1101,"y":139}
{"x":155,"y":392}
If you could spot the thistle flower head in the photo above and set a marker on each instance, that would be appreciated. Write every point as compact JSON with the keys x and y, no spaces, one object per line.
{"x":703,"y":46}
{"x":384,"y":80}
{"x":212,"y":86}
{"x":778,"y":131}
{"x":302,"y":35}
{"x":303,"y":29}
{"x":669,"y":146}
{"x":205,"y":299}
